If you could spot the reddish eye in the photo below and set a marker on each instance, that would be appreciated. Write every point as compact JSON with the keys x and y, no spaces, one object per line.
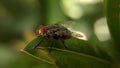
{"x":42,"y":30}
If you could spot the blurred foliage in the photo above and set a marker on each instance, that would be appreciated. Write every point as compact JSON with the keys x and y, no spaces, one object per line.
{"x":20,"y":18}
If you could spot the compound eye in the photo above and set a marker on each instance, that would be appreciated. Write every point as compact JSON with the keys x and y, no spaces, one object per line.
{"x":42,"y":30}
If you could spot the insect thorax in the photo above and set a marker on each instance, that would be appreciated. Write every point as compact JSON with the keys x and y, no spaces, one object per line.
{"x":57,"y":31}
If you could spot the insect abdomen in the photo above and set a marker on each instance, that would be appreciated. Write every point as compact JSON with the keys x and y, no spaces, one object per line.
{"x":58,"y":31}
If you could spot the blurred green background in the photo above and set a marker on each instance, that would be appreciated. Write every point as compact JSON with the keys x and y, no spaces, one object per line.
{"x":20,"y":18}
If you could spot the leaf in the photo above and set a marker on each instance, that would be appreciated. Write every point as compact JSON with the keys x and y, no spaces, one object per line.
{"x":81,"y":54}
{"x":39,"y":54}
{"x":113,"y":13}
{"x":78,"y":54}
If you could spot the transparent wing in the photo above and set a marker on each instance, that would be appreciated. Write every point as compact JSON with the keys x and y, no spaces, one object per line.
{"x":69,"y":25}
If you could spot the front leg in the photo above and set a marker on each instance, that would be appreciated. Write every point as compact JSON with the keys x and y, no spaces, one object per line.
{"x":39,"y":43}
{"x":42,"y":55}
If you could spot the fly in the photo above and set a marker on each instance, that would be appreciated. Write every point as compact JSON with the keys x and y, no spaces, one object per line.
{"x":58,"y":31}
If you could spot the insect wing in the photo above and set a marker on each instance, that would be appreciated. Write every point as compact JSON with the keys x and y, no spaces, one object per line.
{"x":77,"y":34}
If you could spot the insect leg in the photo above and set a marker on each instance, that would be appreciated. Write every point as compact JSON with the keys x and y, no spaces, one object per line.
{"x":52,"y":43}
{"x":64,"y":43}
{"x":39,"y":43}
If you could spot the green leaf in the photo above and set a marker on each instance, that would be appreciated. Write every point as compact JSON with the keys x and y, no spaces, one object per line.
{"x":113,"y":13}
{"x":39,"y":54}
{"x":79,"y":53}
